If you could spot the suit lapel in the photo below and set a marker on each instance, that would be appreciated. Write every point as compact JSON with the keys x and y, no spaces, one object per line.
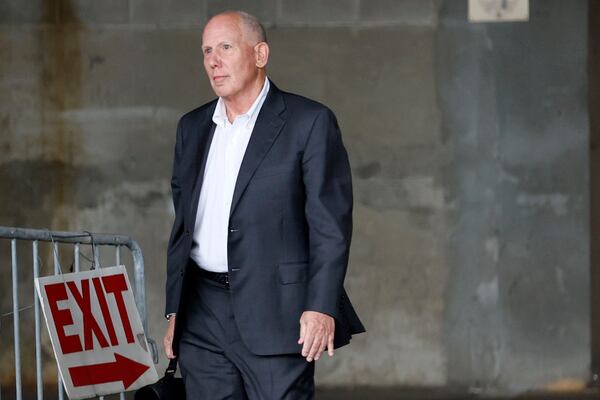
{"x":267,"y":128}
{"x":203,"y":135}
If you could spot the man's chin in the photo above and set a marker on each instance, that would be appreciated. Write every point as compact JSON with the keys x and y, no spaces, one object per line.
{"x":220,"y":90}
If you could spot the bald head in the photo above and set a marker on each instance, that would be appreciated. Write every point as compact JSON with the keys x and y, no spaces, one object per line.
{"x":235,"y":58}
{"x":251,"y":28}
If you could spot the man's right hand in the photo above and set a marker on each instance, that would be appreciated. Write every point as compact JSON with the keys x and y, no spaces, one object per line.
{"x":168,"y":339}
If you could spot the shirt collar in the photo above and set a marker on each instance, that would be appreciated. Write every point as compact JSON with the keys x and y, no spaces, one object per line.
{"x":220,"y":114}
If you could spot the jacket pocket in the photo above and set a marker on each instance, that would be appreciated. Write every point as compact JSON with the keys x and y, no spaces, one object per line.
{"x":292,"y":273}
{"x":277,"y":169}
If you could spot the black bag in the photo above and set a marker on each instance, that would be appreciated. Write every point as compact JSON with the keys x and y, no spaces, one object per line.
{"x":167,"y":388}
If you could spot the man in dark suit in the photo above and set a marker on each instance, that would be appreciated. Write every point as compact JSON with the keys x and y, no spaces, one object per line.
{"x":259,"y":248}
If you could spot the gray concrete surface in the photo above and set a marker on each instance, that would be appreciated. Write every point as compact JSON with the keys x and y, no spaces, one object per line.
{"x":514,"y":107}
{"x":468,"y":144}
{"x":362,"y":393}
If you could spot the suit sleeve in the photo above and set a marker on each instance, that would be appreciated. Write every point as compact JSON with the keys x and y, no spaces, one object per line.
{"x":328,"y":211}
{"x":177,"y":232}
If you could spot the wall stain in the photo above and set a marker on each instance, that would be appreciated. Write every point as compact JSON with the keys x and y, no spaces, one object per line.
{"x":39,"y":191}
{"x":60,"y":90}
{"x":369,"y":170}
{"x":95,"y":60}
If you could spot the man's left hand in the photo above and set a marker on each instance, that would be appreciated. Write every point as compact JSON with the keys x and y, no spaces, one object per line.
{"x":316,"y":334}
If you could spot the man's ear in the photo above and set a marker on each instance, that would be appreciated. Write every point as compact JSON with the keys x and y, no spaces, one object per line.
{"x":261,"y":54}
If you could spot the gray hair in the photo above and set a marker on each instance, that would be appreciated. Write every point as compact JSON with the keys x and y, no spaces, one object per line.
{"x":250,"y":24}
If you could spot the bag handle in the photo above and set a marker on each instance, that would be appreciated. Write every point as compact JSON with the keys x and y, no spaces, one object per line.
{"x":171,"y":369}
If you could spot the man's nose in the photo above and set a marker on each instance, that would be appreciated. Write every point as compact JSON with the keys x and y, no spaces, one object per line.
{"x":214,"y":60}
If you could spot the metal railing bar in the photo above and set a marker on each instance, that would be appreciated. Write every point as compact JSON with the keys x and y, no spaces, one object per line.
{"x":65,"y":236}
{"x":96,"y":256}
{"x":76,"y":252}
{"x":118,"y":255}
{"x":118,"y":262}
{"x":61,"y":394}
{"x":38,"y":338}
{"x":16,"y":324}
{"x":57,"y":271}
{"x":57,"y":268}
{"x":140,"y":298}
{"x":98,"y":239}
{"x":75,"y":238}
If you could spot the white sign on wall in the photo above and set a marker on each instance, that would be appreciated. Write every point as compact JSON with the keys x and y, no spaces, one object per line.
{"x":498,"y":10}
{"x":96,"y":332}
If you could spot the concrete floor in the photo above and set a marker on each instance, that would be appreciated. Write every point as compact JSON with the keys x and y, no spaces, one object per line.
{"x":7,"y":393}
{"x":439,"y":394}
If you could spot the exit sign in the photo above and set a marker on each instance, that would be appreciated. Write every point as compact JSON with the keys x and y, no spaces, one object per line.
{"x":96,"y":332}
{"x":498,"y":10}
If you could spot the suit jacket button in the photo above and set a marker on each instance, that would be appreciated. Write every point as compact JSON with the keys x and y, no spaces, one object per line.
{"x":181,"y":272}
{"x":187,"y":232}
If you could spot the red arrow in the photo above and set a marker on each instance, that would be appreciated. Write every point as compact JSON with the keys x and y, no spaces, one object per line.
{"x":122,"y":369}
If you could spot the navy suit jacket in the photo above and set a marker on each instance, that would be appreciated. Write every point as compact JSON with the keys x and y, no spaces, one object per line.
{"x":290,"y":222}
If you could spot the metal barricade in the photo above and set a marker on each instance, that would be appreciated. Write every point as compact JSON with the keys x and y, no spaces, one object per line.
{"x":76,"y":239}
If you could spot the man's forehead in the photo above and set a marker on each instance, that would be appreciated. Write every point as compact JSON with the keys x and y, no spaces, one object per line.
{"x":222,"y":26}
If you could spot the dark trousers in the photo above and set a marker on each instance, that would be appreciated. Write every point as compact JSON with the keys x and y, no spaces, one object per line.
{"x":215,"y":363}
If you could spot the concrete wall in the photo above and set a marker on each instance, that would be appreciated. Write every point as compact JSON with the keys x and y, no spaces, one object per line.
{"x":513,"y":97}
{"x":468,"y":143}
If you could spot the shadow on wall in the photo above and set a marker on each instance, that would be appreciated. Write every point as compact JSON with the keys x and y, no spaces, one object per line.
{"x":41,"y":187}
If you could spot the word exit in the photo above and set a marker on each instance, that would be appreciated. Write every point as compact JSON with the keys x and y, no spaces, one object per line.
{"x":112,"y":285}
{"x":96,"y":332}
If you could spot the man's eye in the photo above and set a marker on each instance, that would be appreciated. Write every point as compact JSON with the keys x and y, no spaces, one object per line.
{"x":226,"y":46}
{"x":207,"y":51}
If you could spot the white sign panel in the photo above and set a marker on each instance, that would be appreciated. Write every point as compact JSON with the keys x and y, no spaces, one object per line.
{"x":498,"y":10}
{"x":96,"y":332}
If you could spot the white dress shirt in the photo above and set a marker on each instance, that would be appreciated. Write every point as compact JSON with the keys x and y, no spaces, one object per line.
{"x":225,"y":156}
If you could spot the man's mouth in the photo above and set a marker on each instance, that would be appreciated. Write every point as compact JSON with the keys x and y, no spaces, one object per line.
{"x":219,"y":78}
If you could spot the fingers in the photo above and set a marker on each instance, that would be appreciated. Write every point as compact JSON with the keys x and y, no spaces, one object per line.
{"x":330,"y":345}
{"x":309,"y":338}
{"x":315,"y":342}
{"x":302,"y":332}
{"x":316,"y":351}
{"x":316,"y":335}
